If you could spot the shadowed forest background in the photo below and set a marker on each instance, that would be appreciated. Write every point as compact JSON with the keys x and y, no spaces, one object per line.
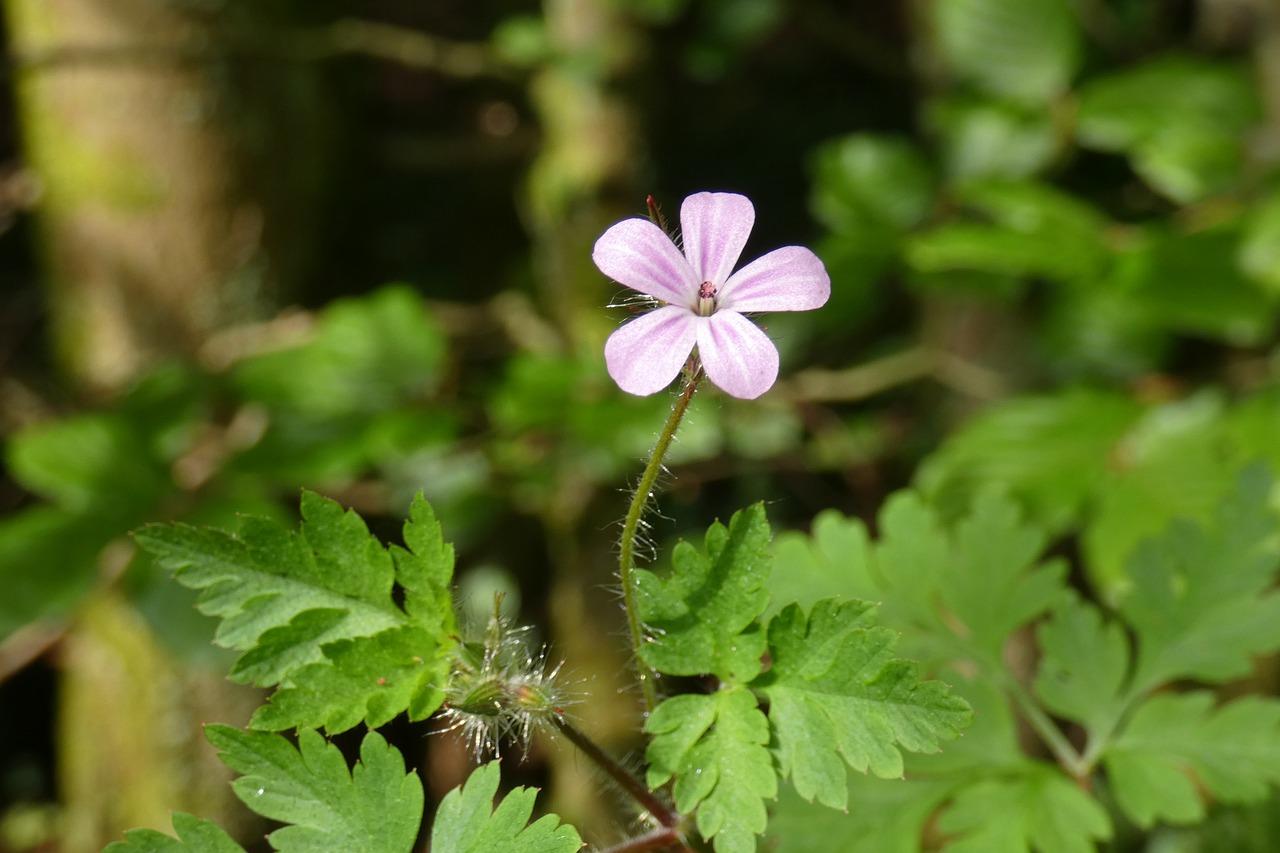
{"x":252,"y":247}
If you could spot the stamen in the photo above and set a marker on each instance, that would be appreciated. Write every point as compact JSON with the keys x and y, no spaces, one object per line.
{"x":706,"y":299}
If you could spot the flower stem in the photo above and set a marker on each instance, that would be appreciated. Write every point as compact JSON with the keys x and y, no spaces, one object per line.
{"x":661,"y":812}
{"x":631,"y":528}
{"x":662,"y":838}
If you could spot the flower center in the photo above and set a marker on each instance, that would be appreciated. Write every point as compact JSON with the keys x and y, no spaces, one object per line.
{"x":706,"y":299}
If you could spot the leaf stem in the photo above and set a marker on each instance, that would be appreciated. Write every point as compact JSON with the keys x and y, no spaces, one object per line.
{"x":1052,"y":737}
{"x":663,"y":813}
{"x":631,"y":528}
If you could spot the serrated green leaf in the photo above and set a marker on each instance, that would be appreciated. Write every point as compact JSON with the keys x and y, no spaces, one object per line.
{"x":714,"y":746}
{"x":467,"y":822}
{"x":837,"y":695}
{"x":1203,"y":601}
{"x":375,"y":805}
{"x":993,"y":585}
{"x":1084,"y":665}
{"x":1176,"y":746}
{"x":1050,"y":452}
{"x":889,"y":816}
{"x":1038,"y":810}
{"x":194,"y":836}
{"x":1026,"y":50}
{"x":834,"y":560}
{"x":365,"y":679}
{"x":302,"y":607}
{"x":703,"y":616}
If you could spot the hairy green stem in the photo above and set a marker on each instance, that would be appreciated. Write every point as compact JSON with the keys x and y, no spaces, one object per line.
{"x":631,"y":530}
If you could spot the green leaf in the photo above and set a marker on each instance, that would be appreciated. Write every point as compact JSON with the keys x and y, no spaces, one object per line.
{"x":836,"y":559}
{"x":1259,"y":252}
{"x":467,"y":822}
{"x":1084,"y":665}
{"x":836,"y":695}
{"x":374,"y":806}
{"x":194,"y":836}
{"x":1029,"y":229}
{"x":865,"y":183}
{"x":1026,"y":50}
{"x":889,"y":817}
{"x":303,"y":605}
{"x":715,"y":747}
{"x":703,"y":616}
{"x":1050,"y":452}
{"x":1163,"y":271}
{"x":986,"y":138}
{"x":1171,"y":464}
{"x":1203,"y":601}
{"x":89,"y":461}
{"x":1177,"y":746}
{"x":992,"y":584}
{"x":366,"y":355}
{"x":1179,"y":119}
{"x":66,"y":547}
{"x":1039,"y":809}
{"x":366,"y":679}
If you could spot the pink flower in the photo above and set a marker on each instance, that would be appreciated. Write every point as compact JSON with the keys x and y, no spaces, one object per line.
{"x":704,"y":299}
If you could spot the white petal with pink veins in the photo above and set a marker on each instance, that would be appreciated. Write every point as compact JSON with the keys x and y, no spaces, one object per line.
{"x":644,"y":355}
{"x":788,"y":279}
{"x":714,"y":227}
{"x":637,"y":253}
{"x":737,"y":356}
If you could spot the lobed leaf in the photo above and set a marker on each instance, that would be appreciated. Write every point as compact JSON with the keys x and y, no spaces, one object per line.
{"x":838,"y":696}
{"x":1038,"y":809}
{"x":715,"y":747}
{"x":194,"y":836}
{"x":314,"y":611}
{"x":1084,"y":666}
{"x":1178,"y":749}
{"x":703,"y":616}
{"x":1203,"y":601}
{"x":375,"y":805}
{"x":467,"y":822}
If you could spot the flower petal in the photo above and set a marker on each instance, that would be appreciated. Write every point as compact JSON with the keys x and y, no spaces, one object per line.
{"x":646,"y":354}
{"x":714,"y":228}
{"x":737,"y":356}
{"x":788,"y":279}
{"x":635,"y":252}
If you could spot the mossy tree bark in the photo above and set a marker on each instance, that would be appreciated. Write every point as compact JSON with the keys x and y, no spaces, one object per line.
{"x":583,"y":179}
{"x":163,"y":145}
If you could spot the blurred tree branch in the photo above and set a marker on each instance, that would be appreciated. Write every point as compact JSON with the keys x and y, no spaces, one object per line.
{"x":348,"y":36}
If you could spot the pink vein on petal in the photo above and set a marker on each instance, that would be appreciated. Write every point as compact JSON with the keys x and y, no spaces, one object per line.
{"x":645,"y":354}
{"x":715,"y":227}
{"x":737,"y":356}
{"x":788,"y":279}
{"x":636,"y":253}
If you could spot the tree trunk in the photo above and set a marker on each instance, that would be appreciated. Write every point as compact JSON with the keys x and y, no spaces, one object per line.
{"x":160,"y":140}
